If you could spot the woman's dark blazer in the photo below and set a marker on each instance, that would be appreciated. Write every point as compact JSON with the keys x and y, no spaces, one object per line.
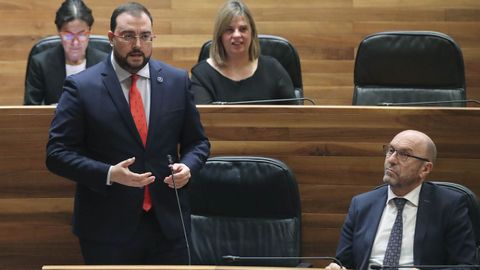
{"x":46,"y":74}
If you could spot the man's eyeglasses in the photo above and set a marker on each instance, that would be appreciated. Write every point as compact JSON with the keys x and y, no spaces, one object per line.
{"x":131,"y":38}
{"x":401,"y":155}
{"x":69,"y":36}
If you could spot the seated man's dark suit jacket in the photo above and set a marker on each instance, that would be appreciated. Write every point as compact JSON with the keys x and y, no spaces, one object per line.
{"x":443,"y":231}
{"x":46,"y":74}
{"x":93,"y":129}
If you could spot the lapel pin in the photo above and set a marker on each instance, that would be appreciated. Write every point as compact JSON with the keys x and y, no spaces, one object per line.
{"x":160,"y":79}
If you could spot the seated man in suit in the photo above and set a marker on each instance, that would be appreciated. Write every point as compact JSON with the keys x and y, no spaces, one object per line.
{"x":408,"y":221}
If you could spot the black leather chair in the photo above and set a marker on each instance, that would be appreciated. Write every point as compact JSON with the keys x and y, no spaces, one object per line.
{"x":245,"y":206}
{"x":409,"y":66}
{"x":473,"y":210}
{"x":279,"y":48}
{"x":98,"y":42}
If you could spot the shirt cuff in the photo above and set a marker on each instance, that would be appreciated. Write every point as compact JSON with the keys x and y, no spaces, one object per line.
{"x":109,"y":181}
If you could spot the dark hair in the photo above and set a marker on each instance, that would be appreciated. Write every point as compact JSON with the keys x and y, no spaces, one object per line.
{"x":72,"y":10}
{"x":132,"y":8}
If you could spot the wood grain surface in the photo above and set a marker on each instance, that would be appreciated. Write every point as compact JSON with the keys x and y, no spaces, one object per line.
{"x":326,"y":34}
{"x":334,"y":151}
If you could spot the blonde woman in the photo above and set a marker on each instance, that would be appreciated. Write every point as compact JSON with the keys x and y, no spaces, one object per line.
{"x":235,"y":70}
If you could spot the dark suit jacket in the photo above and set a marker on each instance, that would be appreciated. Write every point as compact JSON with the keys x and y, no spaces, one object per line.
{"x":443,"y":232}
{"x":46,"y":74}
{"x":93,"y":129}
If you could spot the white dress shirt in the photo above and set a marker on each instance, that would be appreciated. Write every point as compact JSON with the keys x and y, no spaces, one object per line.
{"x":389,"y":215}
{"x":143,"y":85}
{"x":74,"y":69}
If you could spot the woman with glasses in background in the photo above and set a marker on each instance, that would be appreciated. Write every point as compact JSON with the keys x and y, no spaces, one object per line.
{"x":47,"y":70}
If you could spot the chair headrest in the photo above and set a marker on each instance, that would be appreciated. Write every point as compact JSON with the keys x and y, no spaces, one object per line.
{"x":98,"y":42}
{"x":420,"y":58}
{"x":245,"y":187}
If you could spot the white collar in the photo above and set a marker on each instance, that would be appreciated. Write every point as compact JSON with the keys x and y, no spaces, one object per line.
{"x":413,"y":196}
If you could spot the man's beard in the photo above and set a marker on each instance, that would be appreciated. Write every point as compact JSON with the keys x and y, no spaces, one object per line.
{"x":389,"y":180}
{"x":123,"y":61}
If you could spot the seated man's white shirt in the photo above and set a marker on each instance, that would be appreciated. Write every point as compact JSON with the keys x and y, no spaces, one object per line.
{"x":386,"y":223}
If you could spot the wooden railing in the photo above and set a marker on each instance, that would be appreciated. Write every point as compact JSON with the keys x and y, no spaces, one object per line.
{"x":162,"y":267}
{"x":334,"y":151}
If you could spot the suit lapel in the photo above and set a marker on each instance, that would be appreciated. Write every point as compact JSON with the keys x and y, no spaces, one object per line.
{"x":114,"y":88}
{"x":91,"y":57}
{"x":56,"y":71}
{"x":422,"y":222}
{"x":58,"y":63}
{"x":156,"y":97}
{"x":374,"y":215}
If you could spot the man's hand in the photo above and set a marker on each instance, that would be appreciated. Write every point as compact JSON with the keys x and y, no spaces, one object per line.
{"x":122,"y":175}
{"x":334,"y":266}
{"x":181,"y":173}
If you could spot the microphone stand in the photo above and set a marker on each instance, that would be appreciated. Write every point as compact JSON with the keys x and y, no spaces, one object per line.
{"x":170,"y":162}
{"x":428,"y":102}
{"x":260,"y":101}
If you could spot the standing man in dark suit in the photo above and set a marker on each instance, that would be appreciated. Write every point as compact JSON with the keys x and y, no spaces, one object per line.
{"x":434,"y":222}
{"x":114,"y":126}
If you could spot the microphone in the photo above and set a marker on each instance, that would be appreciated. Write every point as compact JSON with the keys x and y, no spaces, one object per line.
{"x":260,"y":101}
{"x":231,"y":258}
{"x":427,"y":266}
{"x":170,"y":163}
{"x":428,"y":102}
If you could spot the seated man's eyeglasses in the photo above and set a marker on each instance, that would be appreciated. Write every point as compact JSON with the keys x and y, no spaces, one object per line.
{"x":401,"y":155}
{"x":69,"y":36}
{"x":131,"y":37}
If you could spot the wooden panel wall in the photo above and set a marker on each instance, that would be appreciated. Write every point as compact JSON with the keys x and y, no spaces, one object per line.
{"x":325,"y":32}
{"x":335,"y":153}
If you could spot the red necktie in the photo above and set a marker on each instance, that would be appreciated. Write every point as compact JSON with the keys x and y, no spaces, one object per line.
{"x":138,"y":114}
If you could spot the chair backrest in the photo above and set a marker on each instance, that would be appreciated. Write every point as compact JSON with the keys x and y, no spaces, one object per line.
{"x":473,"y":210}
{"x":278,"y":48}
{"x":98,"y":42}
{"x":245,"y":206}
{"x":409,"y":66}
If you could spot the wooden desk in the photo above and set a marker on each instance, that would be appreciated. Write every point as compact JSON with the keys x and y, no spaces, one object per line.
{"x":164,"y":267}
{"x":335,"y":153}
